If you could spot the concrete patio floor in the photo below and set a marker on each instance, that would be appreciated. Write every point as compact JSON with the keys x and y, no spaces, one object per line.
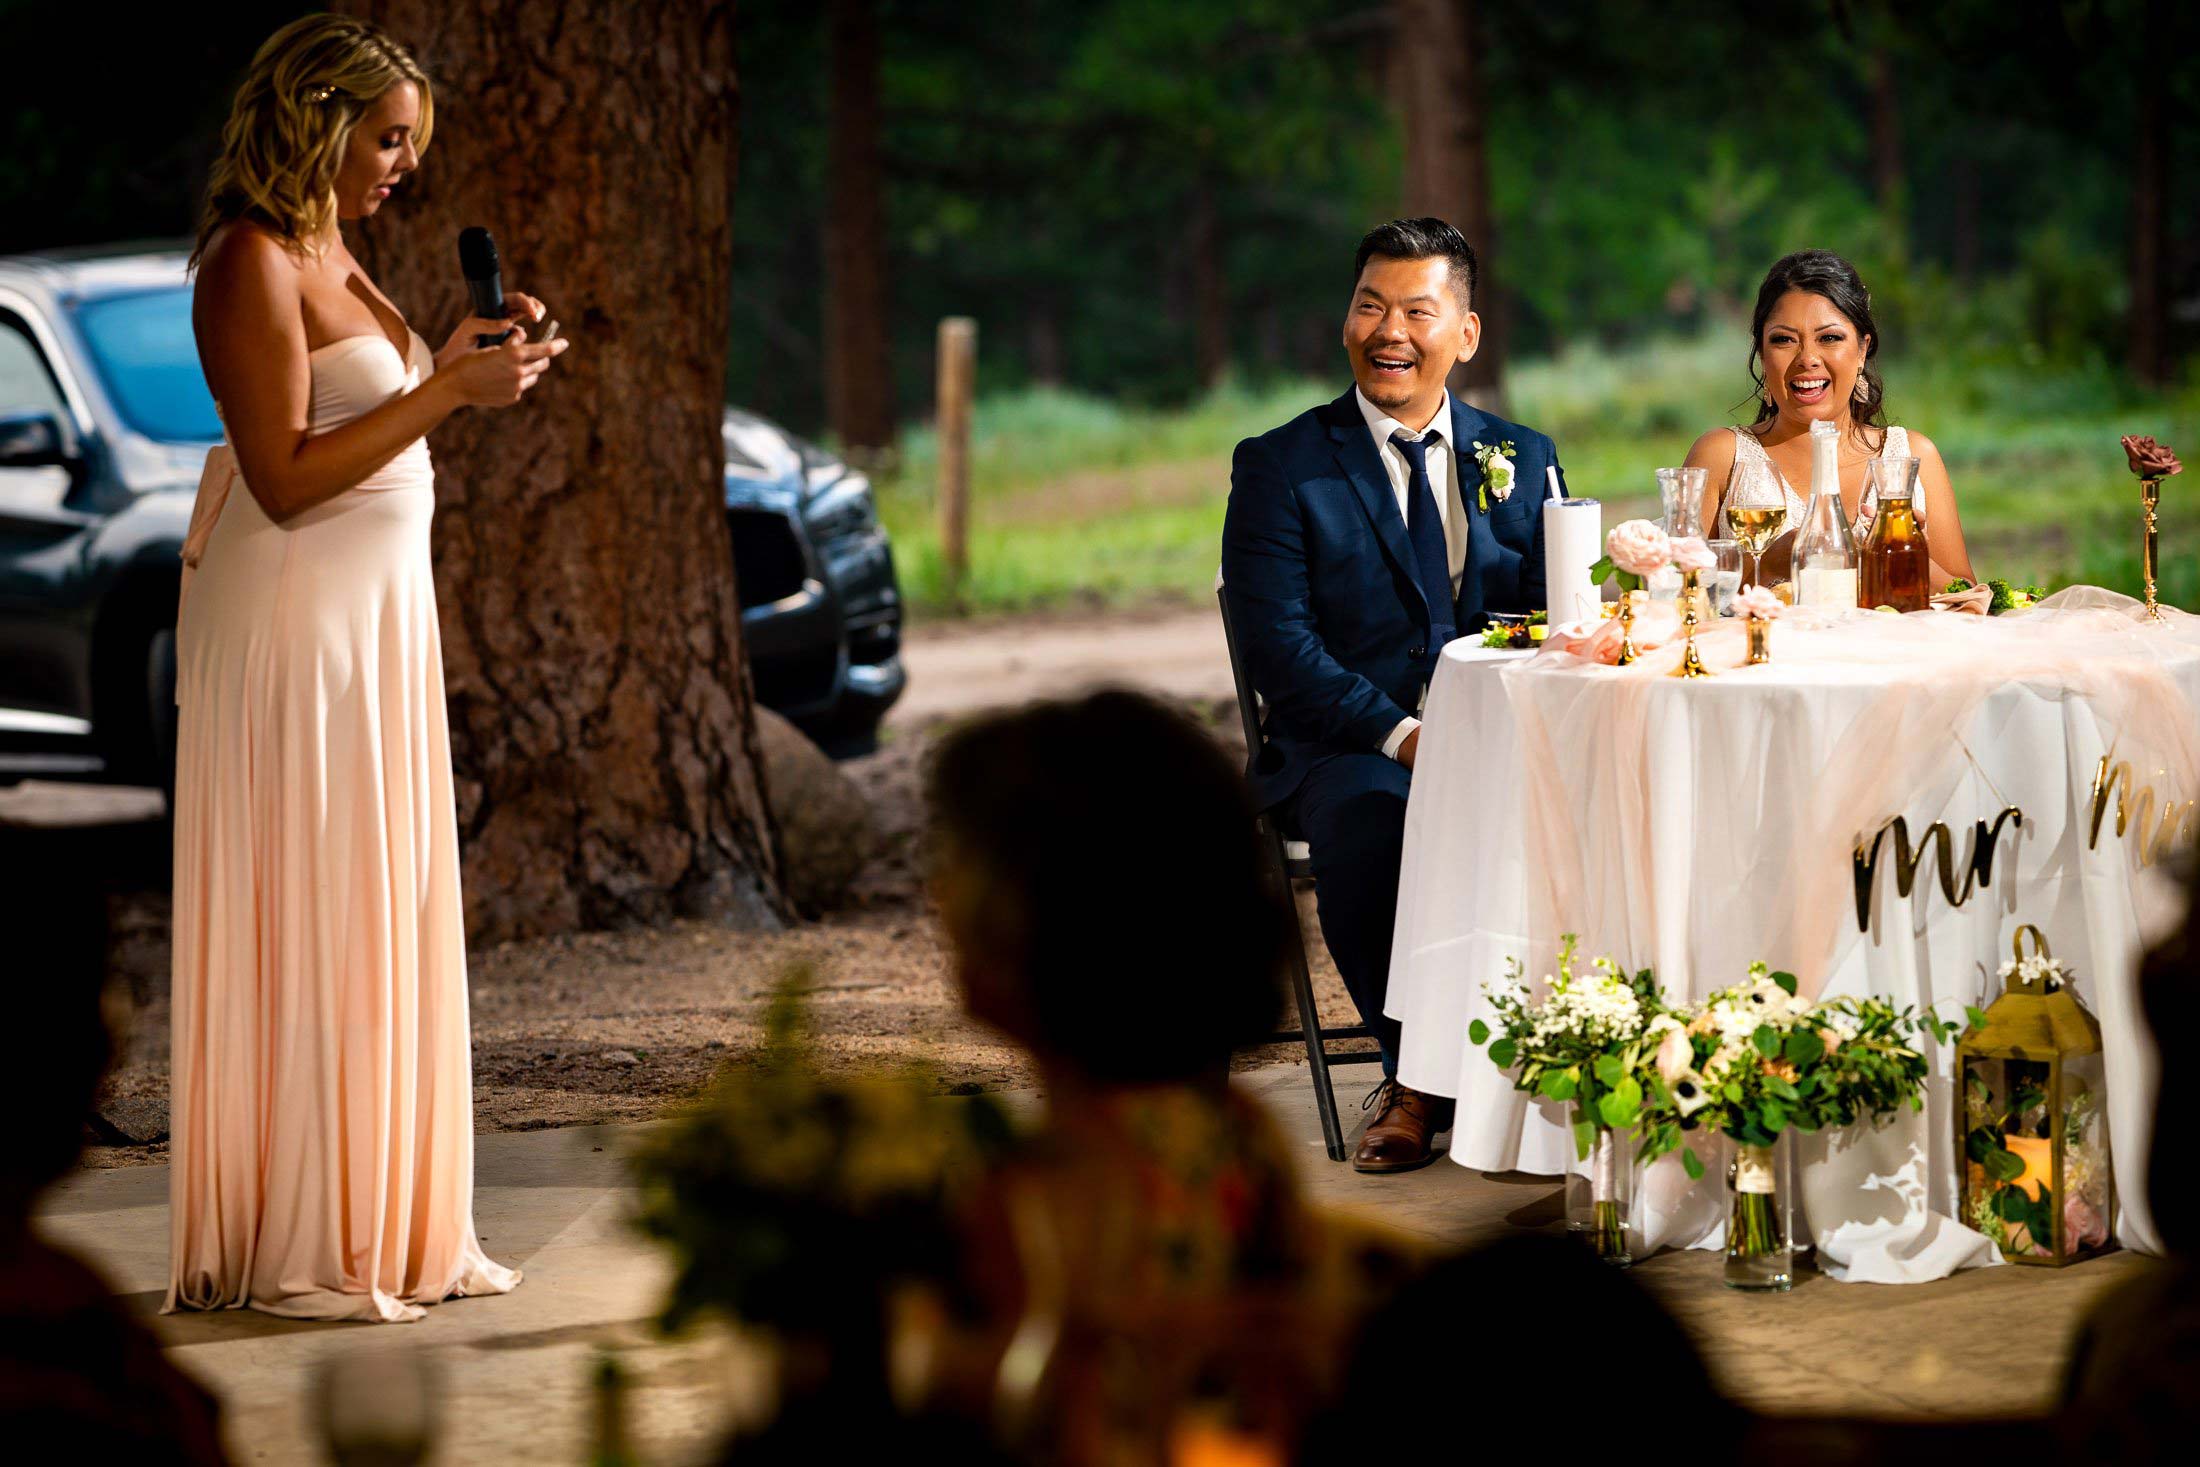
{"x":513,"y":1372}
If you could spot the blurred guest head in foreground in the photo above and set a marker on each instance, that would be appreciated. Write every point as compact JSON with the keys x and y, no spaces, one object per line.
{"x":1146,"y":1275}
{"x":2128,"y":1392}
{"x":1097,"y":872}
{"x":75,"y":1366}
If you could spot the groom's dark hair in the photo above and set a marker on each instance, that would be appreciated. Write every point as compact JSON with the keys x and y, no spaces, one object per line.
{"x":1421,"y":239}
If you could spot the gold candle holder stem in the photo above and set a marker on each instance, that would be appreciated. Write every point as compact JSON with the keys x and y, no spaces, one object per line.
{"x":1626,"y":615}
{"x":1760,"y":640}
{"x":1691,"y":663}
{"x":2150,"y":496}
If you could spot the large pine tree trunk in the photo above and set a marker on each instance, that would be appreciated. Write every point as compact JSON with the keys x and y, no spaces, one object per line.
{"x":1447,"y":160}
{"x":2150,"y":214}
{"x":601,"y":725}
{"x":859,"y":368}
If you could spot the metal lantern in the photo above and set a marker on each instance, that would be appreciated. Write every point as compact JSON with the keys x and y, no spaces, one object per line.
{"x":2032,"y":1119}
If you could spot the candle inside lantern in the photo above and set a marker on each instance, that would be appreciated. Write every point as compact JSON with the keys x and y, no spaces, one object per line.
{"x":2037,"y":1153}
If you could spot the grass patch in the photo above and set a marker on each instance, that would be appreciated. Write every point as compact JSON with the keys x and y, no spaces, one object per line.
{"x":1077,"y":500}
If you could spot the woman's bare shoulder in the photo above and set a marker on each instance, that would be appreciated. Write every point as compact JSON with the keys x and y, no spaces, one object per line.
{"x":245,"y":250}
{"x":1715,"y":449}
{"x":1921,"y":447}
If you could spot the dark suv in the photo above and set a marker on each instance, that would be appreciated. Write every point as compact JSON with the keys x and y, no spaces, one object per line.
{"x":105,"y":421}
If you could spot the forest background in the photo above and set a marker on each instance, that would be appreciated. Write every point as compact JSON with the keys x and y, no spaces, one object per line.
{"x":1150,"y":208}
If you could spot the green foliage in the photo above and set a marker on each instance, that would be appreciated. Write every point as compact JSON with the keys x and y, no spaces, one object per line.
{"x":1762,"y":1061}
{"x":787,"y":1198}
{"x":1588,"y":1042}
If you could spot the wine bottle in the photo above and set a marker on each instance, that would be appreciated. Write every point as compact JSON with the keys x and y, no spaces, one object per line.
{"x":1825,"y":552}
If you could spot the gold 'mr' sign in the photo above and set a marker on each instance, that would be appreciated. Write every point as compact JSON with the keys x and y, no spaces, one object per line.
{"x":1936,"y":840}
{"x":2151,"y":833}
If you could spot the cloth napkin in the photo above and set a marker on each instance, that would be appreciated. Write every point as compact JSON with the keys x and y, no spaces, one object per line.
{"x":1975,"y":601}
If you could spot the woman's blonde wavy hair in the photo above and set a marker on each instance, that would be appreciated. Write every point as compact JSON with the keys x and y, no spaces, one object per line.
{"x":284,"y":142}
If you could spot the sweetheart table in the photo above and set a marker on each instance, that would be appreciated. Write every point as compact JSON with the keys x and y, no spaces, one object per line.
{"x":1697,"y":825}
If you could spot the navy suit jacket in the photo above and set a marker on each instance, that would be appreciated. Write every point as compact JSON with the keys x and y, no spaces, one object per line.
{"x":1329,"y":619}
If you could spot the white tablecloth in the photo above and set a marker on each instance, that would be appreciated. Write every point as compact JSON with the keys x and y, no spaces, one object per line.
{"x":1695,"y":832}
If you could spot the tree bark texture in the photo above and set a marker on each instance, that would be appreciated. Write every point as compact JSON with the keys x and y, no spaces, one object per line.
{"x":859,"y":367}
{"x":602,"y":730}
{"x":1447,"y":160}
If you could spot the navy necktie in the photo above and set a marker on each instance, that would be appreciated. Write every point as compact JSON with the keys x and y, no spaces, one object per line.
{"x":1425,"y":532}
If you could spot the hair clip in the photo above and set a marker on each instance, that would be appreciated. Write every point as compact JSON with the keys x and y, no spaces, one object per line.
{"x":318,"y":95}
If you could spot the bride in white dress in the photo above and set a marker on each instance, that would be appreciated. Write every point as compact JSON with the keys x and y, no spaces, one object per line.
{"x":1812,"y":340}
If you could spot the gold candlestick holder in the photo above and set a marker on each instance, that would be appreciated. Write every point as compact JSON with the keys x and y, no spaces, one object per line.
{"x":1626,"y":615}
{"x":1691,"y":664}
{"x":1760,"y":640}
{"x":2150,"y":495}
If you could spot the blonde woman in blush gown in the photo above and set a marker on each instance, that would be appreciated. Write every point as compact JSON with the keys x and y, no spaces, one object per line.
{"x":322,"y":1111}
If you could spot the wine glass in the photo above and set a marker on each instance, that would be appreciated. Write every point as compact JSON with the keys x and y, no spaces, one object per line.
{"x":1756,"y":510}
{"x":1726,"y":575}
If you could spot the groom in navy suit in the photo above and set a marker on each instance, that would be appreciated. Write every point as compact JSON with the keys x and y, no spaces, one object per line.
{"x":1361,"y":537}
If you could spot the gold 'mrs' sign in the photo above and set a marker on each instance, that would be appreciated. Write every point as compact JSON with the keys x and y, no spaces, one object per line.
{"x":1936,"y":840}
{"x":2152,"y":833}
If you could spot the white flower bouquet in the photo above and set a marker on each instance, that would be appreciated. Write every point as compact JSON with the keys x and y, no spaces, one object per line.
{"x":1590,"y":1042}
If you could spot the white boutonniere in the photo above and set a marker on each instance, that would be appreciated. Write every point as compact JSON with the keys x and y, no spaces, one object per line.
{"x":1495,"y":460}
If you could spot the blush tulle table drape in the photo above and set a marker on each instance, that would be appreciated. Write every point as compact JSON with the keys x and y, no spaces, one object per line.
{"x":1695,"y":826}
{"x":321,"y":1114}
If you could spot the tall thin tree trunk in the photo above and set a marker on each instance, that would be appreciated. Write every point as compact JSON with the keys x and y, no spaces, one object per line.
{"x":1963,"y":209}
{"x":2150,"y":213}
{"x":1210,"y":305}
{"x":859,"y":368}
{"x":602,"y":731}
{"x":1447,"y":161}
{"x":1888,"y":181}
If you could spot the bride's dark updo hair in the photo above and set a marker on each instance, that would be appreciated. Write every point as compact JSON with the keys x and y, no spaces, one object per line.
{"x":1823,"y":273}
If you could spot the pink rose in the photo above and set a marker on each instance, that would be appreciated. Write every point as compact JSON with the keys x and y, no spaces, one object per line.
{"x":1674,"y":1055}
{"x":1757,"y":602}
{"x":1638,"y":547}
{"x":2083,"y":1225}
{"x":1691,"y":554}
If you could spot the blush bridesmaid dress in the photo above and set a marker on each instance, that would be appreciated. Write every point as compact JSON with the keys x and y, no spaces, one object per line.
{"x":322,"y":1094}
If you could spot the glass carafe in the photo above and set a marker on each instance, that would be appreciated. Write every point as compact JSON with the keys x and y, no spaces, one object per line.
{"x":1680,"y":495}
{"x":1898,"y":566}
{"x":1825,"y":552}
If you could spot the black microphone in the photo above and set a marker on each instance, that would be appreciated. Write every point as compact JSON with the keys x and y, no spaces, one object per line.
{"x":477,"y":260}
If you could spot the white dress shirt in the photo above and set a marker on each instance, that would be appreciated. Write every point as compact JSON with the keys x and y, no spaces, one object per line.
{"x":1443,"y":479}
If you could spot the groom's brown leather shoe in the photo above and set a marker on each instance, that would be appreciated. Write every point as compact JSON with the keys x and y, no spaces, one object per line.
{"x":1403,"y":1134}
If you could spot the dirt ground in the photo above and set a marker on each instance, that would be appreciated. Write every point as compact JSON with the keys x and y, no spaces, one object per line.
{"x":616,"y":1026}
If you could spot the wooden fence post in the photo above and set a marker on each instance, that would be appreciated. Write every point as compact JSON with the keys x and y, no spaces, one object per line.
{"x":958,"y":374}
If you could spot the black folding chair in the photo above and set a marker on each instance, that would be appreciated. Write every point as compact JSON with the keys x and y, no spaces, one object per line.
{"x":1288,"y":862}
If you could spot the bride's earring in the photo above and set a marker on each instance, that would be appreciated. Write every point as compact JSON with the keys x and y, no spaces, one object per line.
{"x":1862,"y":394}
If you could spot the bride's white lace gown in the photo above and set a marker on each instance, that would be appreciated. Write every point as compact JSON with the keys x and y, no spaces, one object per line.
{"x":1749,"y":452}
{"x":322,"y":1116}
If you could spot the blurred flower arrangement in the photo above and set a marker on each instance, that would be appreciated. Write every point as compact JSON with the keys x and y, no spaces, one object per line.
{"x":798,"y":1203}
